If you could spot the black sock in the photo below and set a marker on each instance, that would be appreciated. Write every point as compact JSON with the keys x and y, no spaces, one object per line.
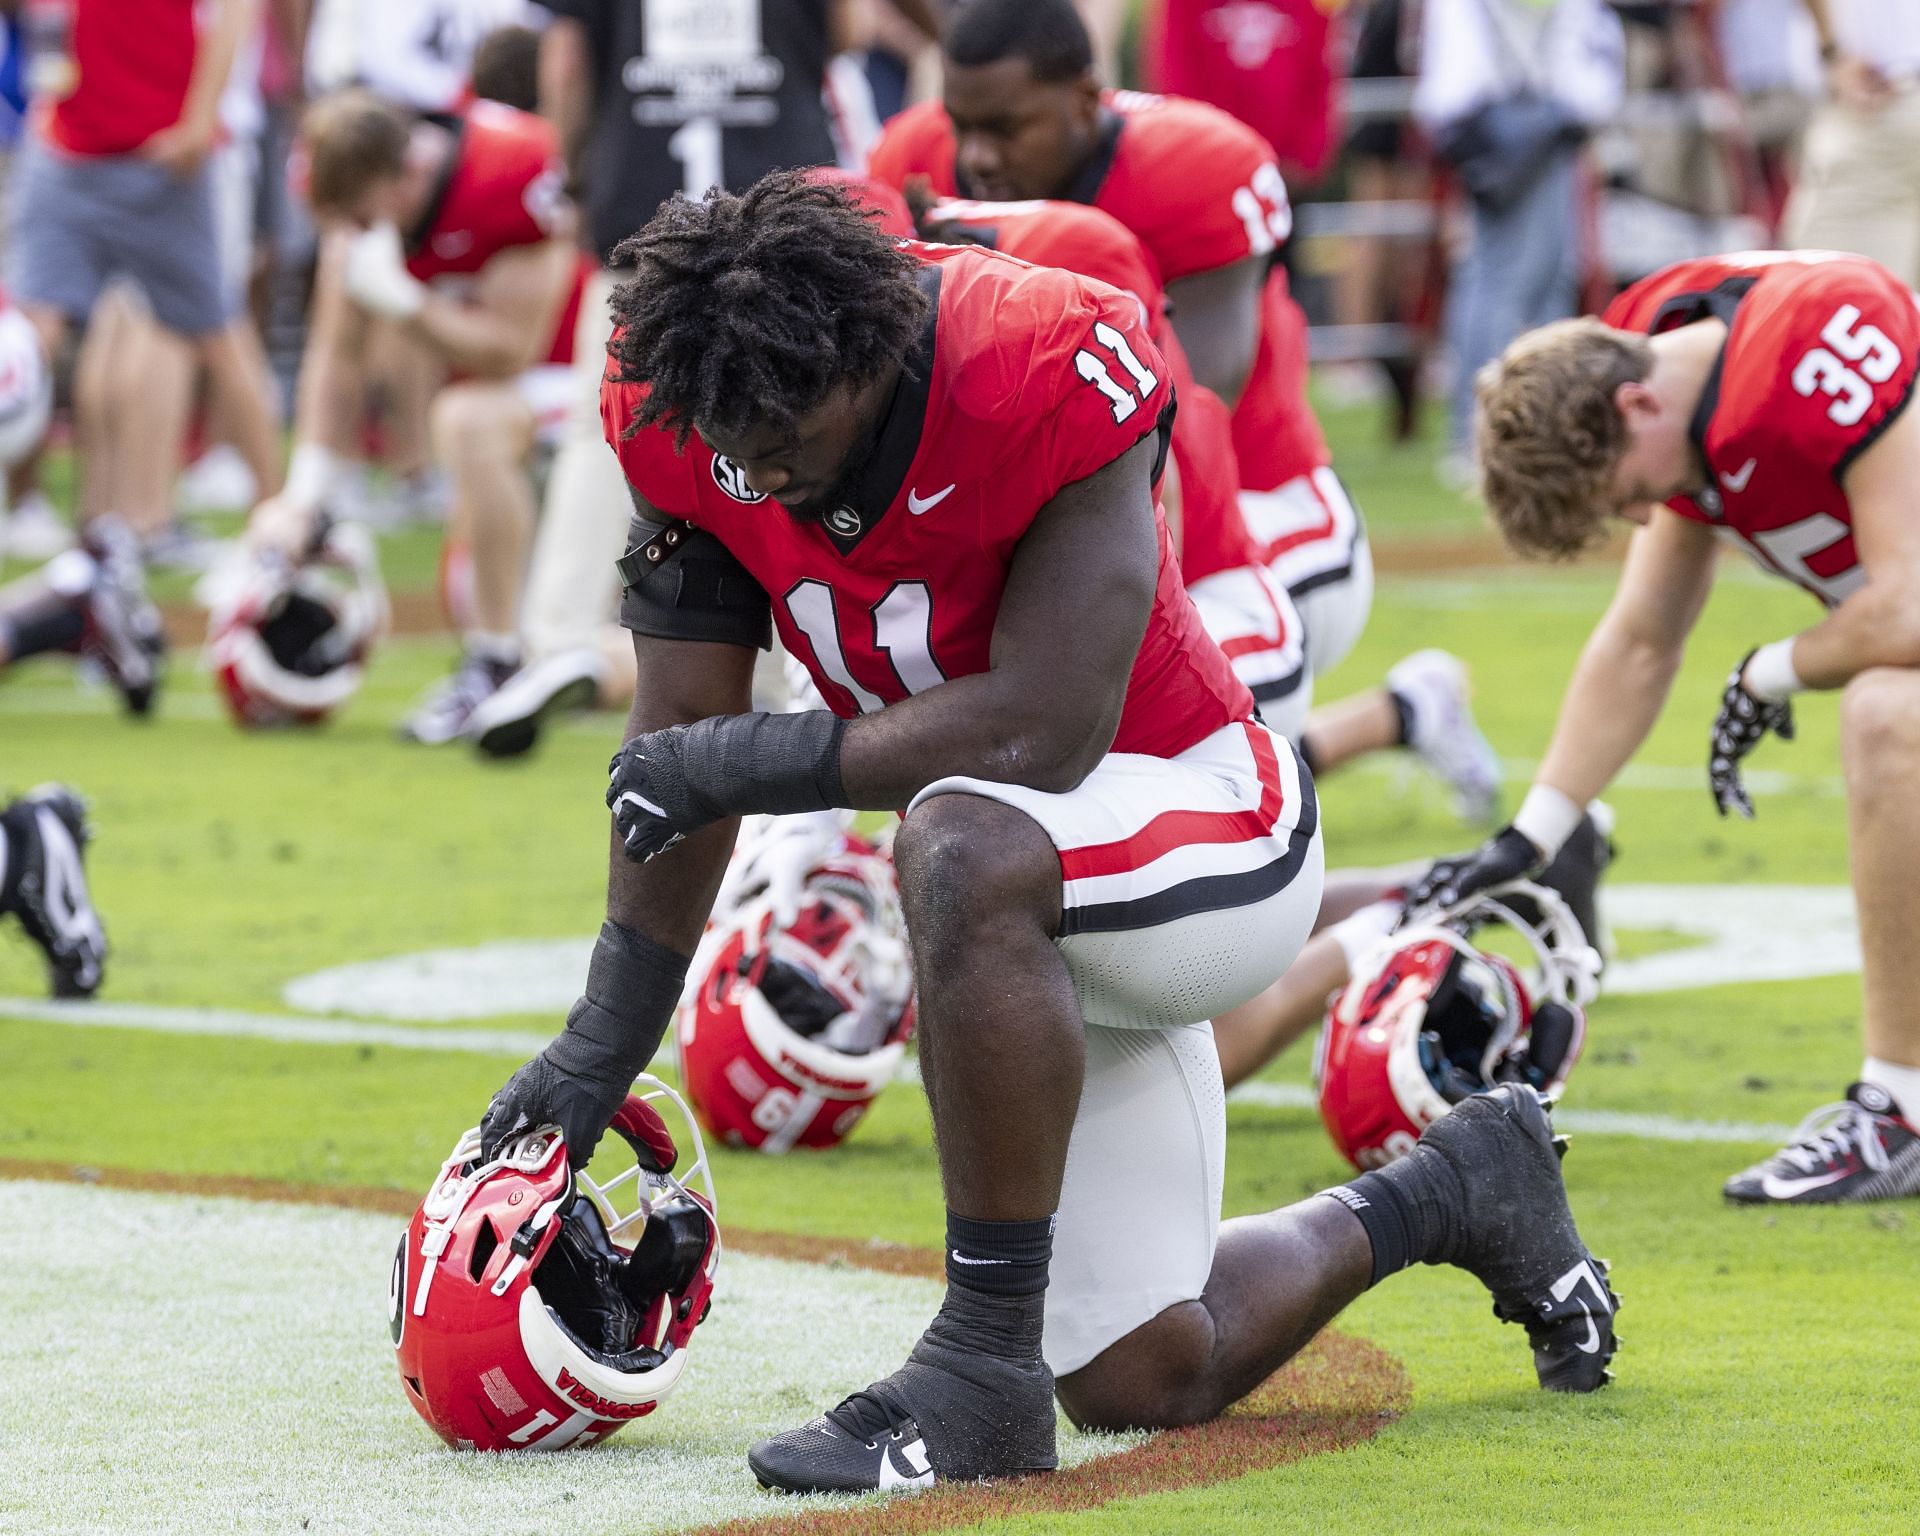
{"x":1403,"y":710}
{"x":46,"y":626}
{"x":1408,"y":1212}
{"x":1000,"y":1258}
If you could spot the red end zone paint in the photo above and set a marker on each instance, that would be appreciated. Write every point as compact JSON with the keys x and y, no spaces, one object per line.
{"x":1336,"y":1393}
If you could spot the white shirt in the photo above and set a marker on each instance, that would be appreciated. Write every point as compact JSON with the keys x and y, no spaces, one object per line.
{"x":1886,"y":33}
{"x":419,"y":52}
{"x":1769,"y":45}
{"x":1475,"y":51}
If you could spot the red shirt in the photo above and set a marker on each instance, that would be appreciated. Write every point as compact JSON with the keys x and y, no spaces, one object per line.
{"x":1201,"y":191}
{"x":1025,"y":381}
{"x":1079,"y":239}
{"x":1271,"y":63}
{"x":1819,"y":360}
{"x":502,"y":188}
{"x":134,"y":60}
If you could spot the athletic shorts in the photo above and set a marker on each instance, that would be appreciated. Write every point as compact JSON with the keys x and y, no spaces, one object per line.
{"x":1188,"y":885}
{"x":548,"y":390}
{"x":1254,"y":622}
{"x":80,"y":222}
{"x":1310,"y":536}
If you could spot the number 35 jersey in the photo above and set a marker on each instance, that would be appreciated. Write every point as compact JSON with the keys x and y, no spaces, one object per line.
{"x":1023,"y":381}
{"x":1819,"y":360}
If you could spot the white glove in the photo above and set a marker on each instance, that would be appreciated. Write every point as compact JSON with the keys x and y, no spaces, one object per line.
{"x":375,"y":274}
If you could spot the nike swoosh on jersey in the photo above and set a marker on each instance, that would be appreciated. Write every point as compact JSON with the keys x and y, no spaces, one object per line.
{"x":1738,"y":482}
{"x":1776,"y":1188}
{"x":917,"y":504}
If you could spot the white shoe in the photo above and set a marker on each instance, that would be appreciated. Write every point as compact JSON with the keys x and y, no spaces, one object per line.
{"x":1433,"y":685}
{"x":508,"y":723}
{"x":217,"y":481}
{"x":34,"y":531}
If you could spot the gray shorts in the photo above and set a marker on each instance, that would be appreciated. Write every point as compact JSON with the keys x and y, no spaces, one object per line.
{"x":79,"y":223}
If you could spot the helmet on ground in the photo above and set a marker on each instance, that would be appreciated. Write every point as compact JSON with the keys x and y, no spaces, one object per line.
{"x":527,"y":1312}
{"x":289,"y":643}
{"x":1429,"y":1018}
{"x":799,"y":1003}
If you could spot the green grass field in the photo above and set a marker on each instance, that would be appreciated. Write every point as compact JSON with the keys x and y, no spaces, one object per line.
{"x":1766,"y":1383}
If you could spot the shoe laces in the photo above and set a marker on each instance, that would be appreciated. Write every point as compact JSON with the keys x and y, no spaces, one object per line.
{"x":1831,"y":1133}
{"x":866,"y":1416}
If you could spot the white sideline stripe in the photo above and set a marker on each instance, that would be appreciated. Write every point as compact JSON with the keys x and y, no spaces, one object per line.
{"x":1591,"y":1122}
{"x":269,"y":1026}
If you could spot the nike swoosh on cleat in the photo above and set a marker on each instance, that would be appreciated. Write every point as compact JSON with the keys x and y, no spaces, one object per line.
{"x":918,"y":504}
{"x":1776,"y":1188}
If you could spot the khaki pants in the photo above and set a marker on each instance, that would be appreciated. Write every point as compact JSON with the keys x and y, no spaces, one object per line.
{"x":572,"y":589}
{"x":1859,"y":187}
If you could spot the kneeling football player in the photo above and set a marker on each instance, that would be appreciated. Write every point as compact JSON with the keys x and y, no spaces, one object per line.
{"x":933,"y":470}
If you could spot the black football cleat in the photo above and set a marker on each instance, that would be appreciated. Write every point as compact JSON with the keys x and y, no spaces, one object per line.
{"x":508,"y":722}
{"x":950,"y":1414}
{"x":1862,"y":1148}
{"x":124,"y":634}
{"x":1516,"y":1233}
{"x":47,"y":833}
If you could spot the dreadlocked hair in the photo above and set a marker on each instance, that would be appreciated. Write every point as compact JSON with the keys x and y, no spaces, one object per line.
{"x":747,"y":311}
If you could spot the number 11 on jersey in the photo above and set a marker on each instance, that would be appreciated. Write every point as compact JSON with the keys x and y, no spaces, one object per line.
{"x":1092,"y":367}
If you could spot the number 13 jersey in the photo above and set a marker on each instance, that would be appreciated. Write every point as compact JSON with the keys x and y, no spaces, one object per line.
{"x":1023,"y":381}
{"x":1819,"y":360}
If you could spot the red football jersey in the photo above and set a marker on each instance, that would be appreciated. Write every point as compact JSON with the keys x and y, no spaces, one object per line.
{"x":503,"y":187}
{"x":1025,"y":380}
{"x":133,"y":61}
{"x":1075,"y":238}
{"x":1201,"y":191}
{"x":1820,"y":357}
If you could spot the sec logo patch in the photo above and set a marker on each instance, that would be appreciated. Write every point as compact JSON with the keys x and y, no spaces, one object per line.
{"x":732,"y":479}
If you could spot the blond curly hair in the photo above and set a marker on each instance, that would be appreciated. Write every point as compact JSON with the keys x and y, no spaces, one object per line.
{"x":1548,"y":436}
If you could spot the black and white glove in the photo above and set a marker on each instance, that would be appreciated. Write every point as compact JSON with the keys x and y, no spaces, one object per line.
{"x":653,"y":806}
{"x":1743,"y":722}
{"x":664,"y":784}
{"x":541,"y":1093}
{"x":1508,"y":855}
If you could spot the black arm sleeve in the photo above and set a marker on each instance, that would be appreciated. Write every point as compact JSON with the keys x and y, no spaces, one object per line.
{"x":679,"y":582}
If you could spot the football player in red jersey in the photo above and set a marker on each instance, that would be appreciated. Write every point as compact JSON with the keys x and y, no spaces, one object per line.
{"x":1762,"y":399}
{"x":456,"y":231}
{"x":932,"y":470}
{"x":1024,"y":117}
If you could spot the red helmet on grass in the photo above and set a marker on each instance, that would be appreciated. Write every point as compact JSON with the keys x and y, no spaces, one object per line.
{"x":288,"y":644}
{"x":1429,"y":1018}
{"x":527,"y":1312}
{"x":799,"y":1004}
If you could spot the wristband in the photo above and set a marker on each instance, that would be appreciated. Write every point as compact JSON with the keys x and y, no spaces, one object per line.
{"x":311,"y":473}
{"x":633,"y":986}
{"x":1770,"y":675}
{"x":736,"y":765}
{"x":1547,"y":818}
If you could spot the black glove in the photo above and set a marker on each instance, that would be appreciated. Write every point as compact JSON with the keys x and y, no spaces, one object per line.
{"x":664,"y":784}
{"x":541,"y":1093}
{"x":1508,"y":855}
{"x":653,"y":806}
{"x":1740,"y":726}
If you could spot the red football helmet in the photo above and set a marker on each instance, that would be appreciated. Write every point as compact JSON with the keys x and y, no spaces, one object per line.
{"x":527,"y":1313}
{"x":1429,"y":1018}
{"x":799,"y":1004}
{"x":289,"y":644}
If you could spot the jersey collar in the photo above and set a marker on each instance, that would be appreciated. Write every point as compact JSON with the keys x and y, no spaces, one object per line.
{"x":416,"y":237}
{"x":889,"y":451}
{"x":1085,"y":186}
{"x":1720,"y":302}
